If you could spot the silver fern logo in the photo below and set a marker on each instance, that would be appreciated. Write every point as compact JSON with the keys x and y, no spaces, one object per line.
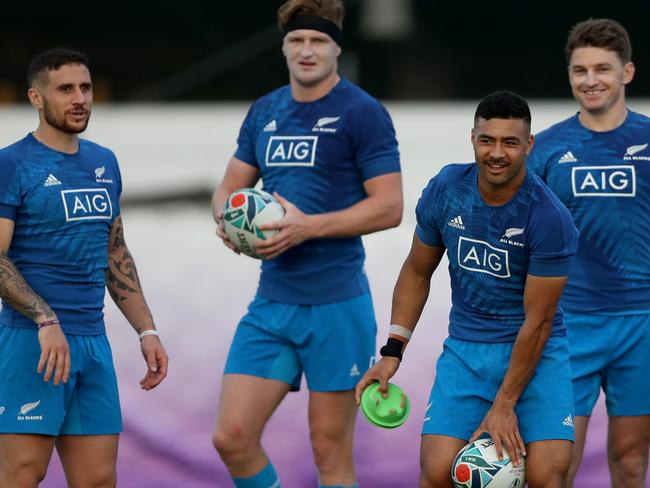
{"x":99,"y":172}
{"x":632,"y":150}
{"x":325,"y":121}
{"x":28,"y":407}
{"x":512,"y":232}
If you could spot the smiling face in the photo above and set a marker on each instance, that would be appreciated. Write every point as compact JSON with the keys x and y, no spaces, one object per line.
{"x":598,"y":78}
{"x":500,"y":149}
{"x":64,"y":98}
{"x":311,"y":57}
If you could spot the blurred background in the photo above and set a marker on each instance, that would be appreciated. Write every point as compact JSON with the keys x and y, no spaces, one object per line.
{"x":168,"y":50}
{"x":173,"y":81}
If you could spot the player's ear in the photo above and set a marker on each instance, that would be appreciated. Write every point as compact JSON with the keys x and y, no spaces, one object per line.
{"x":284,"y":47}
{"x":628,"y":72}
{"x":35,"y":98}
{"x":531,"y":142}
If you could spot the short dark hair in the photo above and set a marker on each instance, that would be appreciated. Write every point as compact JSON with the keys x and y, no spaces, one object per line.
{"x":604,"y":33}
{"x":331,"y":10}
{"x":52,"y":60}
{"x":503,"y":105}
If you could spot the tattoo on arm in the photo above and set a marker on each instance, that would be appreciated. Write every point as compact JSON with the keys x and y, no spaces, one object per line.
{"x":15,"y":291}
{"x":122,"y":278}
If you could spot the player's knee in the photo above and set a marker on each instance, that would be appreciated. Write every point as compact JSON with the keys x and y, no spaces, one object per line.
{"x":628,"y":464}
{"x":434,"y":476}
{"x":100,"y":477}
{"x":552,"y":475}
{"x":572,"y":473}
{"x":329,"y":450}
{"x":24,"y":472}
{"x":232,"y":442}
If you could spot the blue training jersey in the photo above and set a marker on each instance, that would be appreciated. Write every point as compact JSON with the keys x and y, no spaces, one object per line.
{"x":603,"y":178}
{"x":318,"y":155}
{"x":491,"y":249}
{"x":63,"y":207}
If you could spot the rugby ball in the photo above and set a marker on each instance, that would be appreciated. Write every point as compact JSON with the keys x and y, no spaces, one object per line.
{"x":477,"y":466}
{"x":245,"y":210}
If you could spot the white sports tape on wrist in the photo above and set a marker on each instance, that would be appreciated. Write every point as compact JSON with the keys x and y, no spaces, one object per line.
{"x":400,"y":331}
{"x":145,"y":333}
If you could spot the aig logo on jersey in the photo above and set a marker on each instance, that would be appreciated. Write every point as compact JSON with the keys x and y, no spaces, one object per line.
{"x":481,"y":257}
{"x":604,"y":181}
{"x":291,"y":150}
{"x":87,"y":204}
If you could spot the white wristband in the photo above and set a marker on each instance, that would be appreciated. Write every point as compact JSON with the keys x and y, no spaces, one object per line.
{"x":400,"y":331}
{"x":145,"y":333}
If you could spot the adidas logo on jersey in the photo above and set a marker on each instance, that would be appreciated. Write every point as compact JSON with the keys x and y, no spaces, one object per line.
{"x":271,"y":126}
{"x":354,"y":371}
{"x":568,"y":158}
{"x":457,"y":222}
{"x":568,"y":421}
{"x":51,"y":181}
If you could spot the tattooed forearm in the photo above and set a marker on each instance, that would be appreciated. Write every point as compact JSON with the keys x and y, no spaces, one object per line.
{"x":15,"y":291}
{"x":123,"y":282}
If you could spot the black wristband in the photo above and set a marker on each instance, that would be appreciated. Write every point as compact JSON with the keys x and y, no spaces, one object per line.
{"x":392,"y":349}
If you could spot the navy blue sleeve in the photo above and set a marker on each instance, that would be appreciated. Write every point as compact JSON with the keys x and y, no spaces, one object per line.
{"x":8,"y":211}
{"x":9,"y":180}
{"x":428,"y":228}
{"x":374,"y":140}
{"x":554,"y":239}
{"x":246,"y":141}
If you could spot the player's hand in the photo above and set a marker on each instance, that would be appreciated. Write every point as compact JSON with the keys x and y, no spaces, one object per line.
{"x":222,"y":234}
{"x":156,"y":358}
{"x":382,"y":371}
{"x":55,"y":354}
{"x":295,"y":227}
{"x":502,"y":425}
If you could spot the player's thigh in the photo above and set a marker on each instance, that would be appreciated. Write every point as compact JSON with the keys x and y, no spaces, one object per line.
{"x":627,"y":383}
{"x":547,"y":462}
{"x":23,"y":451}
{"x":29,"y":405}
{"x":581,"y":424}
{"x":88,"y":460}
{"x":332,"y":416}
{"x":545,"y":409}
{"x":468,"y":375}
{"x":263,"y":345}
{"x":437,"y":453}
{"x":590,"y":348}
{"x":93,"y":408}
{"x":337,"y":343}
{"x":245,"y":405}
{"x":629,"y":435}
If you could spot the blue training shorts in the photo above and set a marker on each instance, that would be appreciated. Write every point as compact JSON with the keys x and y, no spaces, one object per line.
{"x":333,"y":343}
{"x":87,"y":405}
{"x":468,"y":376}
{"x":611,"y":352}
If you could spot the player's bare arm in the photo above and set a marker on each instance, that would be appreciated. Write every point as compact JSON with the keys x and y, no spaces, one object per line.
{"x":238,"y":175}
{"x":541,"y":296}
{"x":14,"y":290}
{"x":381,"y":209}
{"x":409,"y":297}
{"x":123,"y":285}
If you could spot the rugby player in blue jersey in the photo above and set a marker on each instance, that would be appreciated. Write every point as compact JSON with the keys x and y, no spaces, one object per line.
{"x":598,"y":163}
{"x":328,"y":151}
{"x":61,"y":244}
{"x":505,"y":365}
